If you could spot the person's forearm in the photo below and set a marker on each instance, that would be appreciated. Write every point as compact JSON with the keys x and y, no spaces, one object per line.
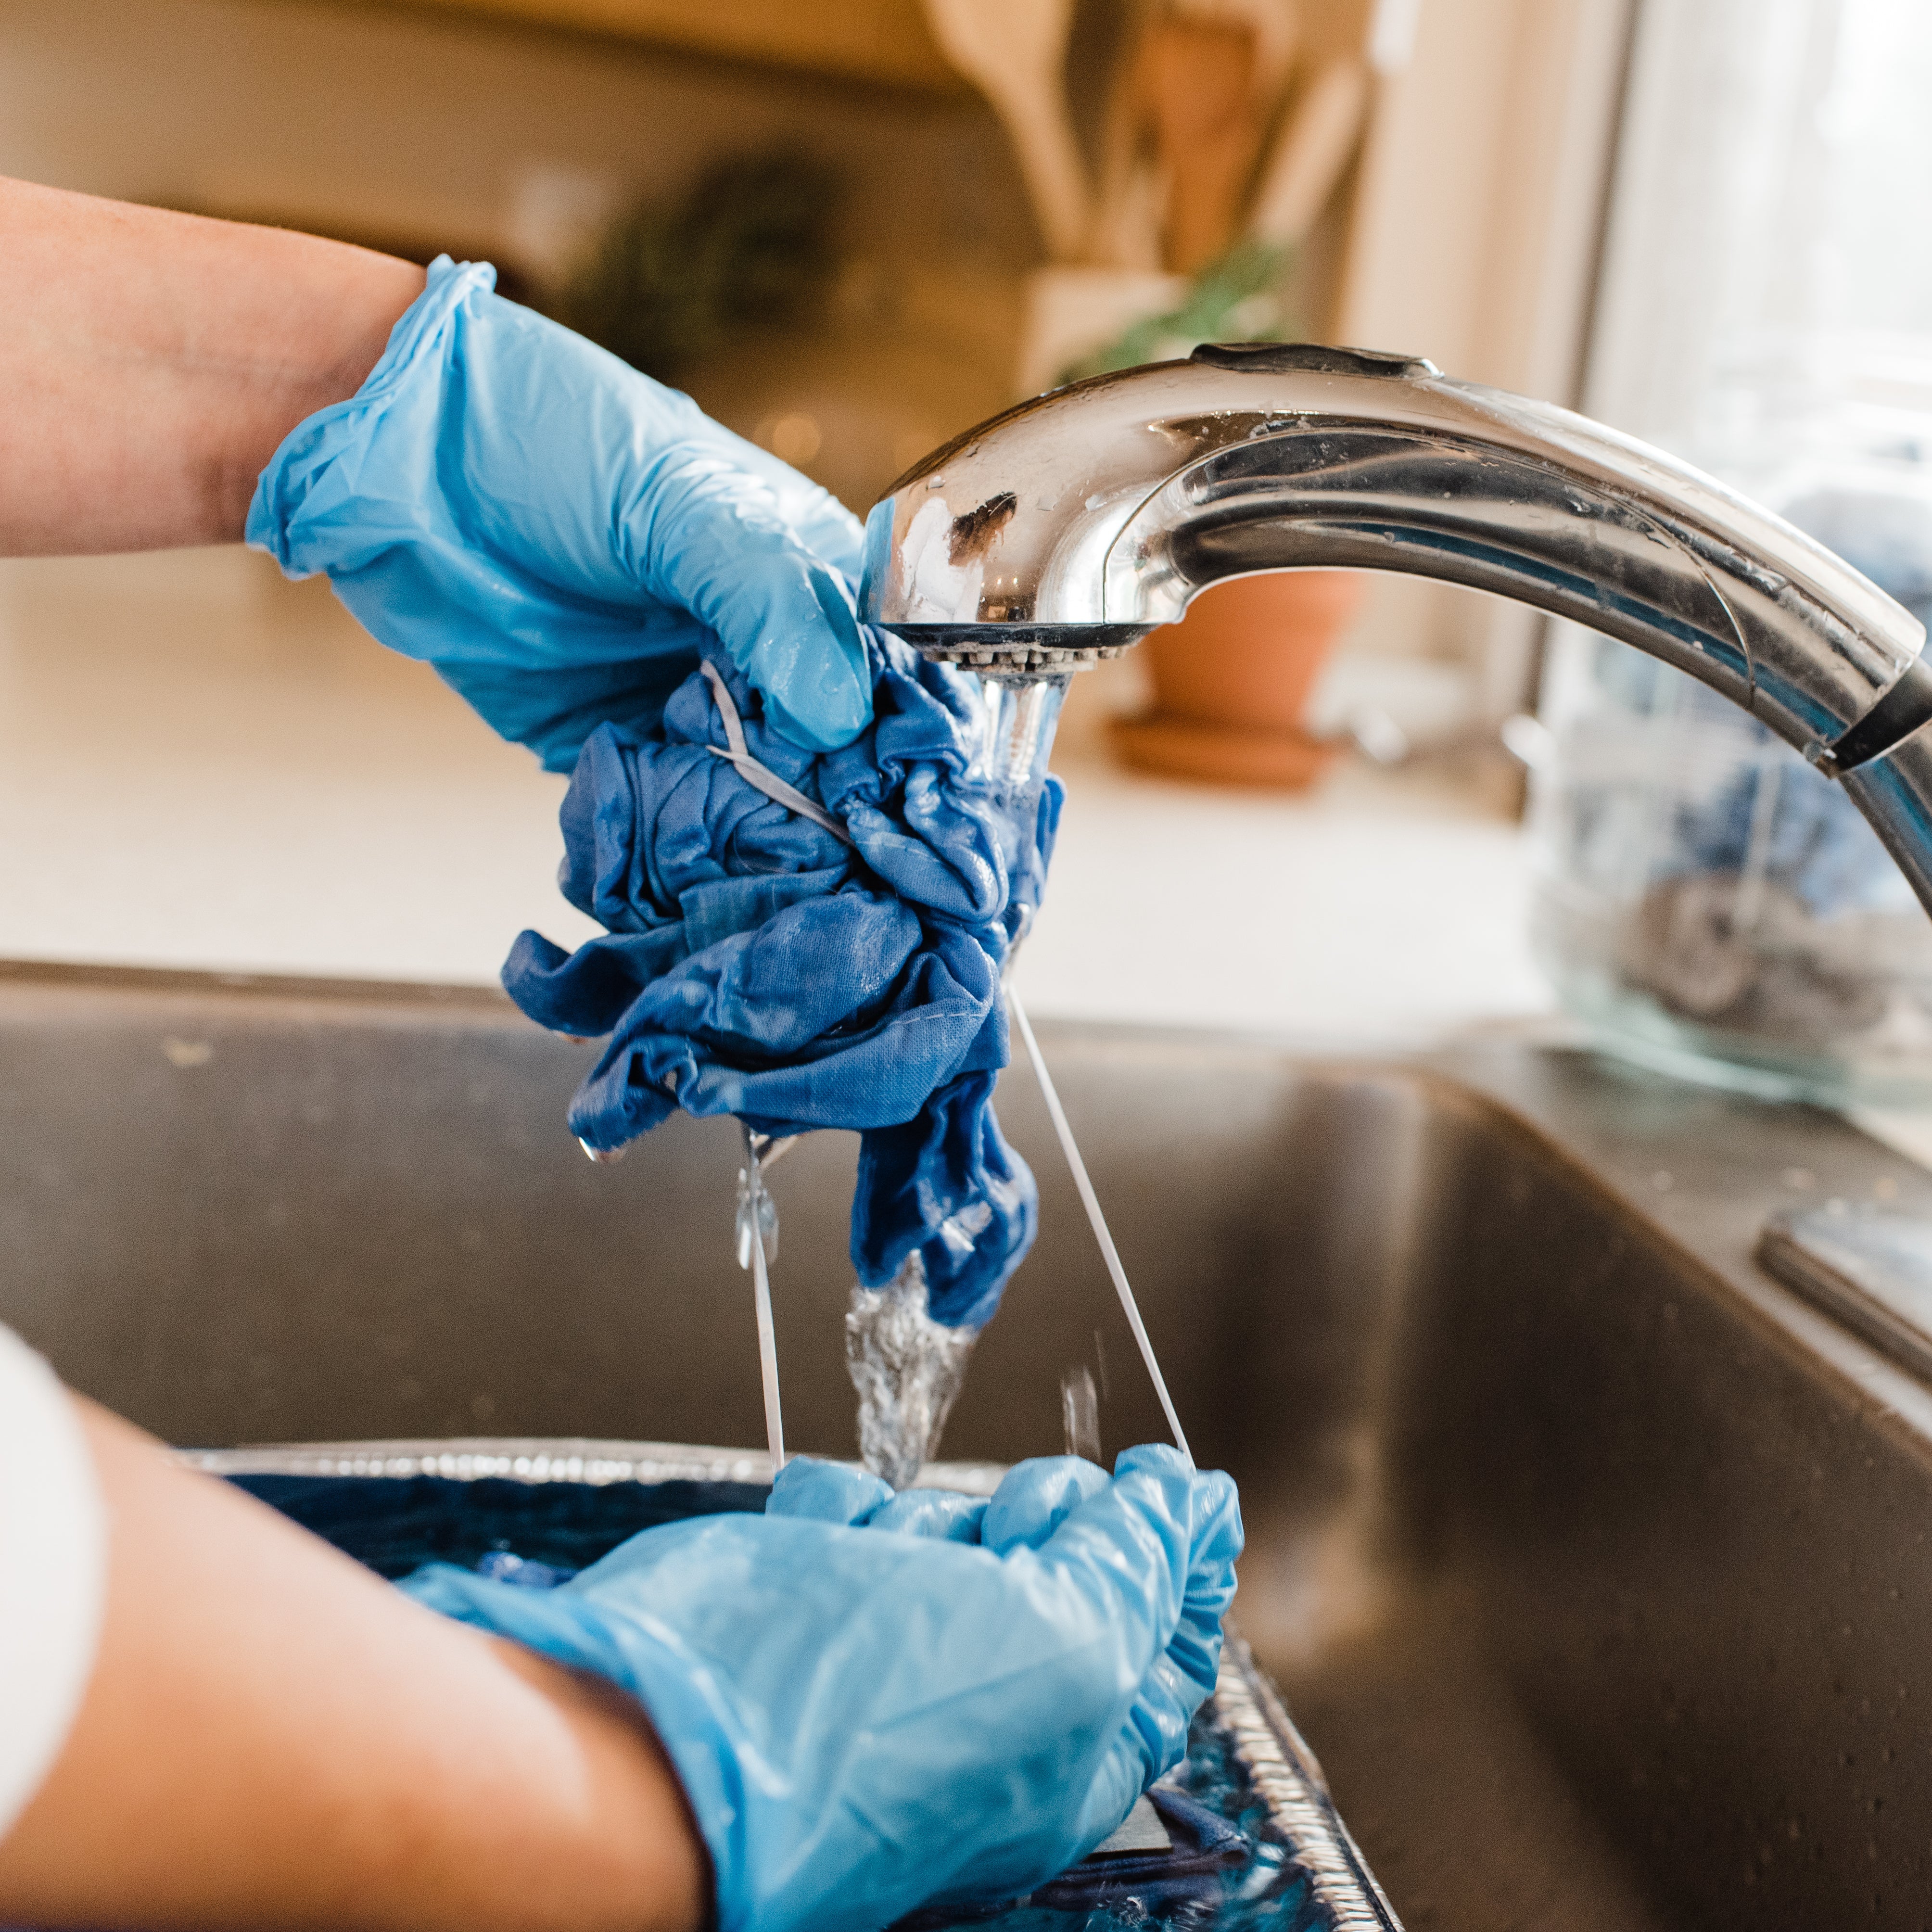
{"x":275,"y":1737}
{"x":151,"y":363}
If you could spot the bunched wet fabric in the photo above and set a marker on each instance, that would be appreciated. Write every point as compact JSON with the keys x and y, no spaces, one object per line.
{"x":808,"y":939}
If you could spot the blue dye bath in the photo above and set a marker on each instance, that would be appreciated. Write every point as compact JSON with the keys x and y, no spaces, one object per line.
{"x":1227,"y":1871}
{"x":396,"y":1524}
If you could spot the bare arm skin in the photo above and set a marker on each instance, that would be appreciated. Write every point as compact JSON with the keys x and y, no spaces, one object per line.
{"x":151,"y":363}
{"x":274,"y":1738}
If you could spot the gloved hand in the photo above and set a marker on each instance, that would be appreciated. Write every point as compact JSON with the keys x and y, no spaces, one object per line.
{"x":559,"y":534}
{"x":865,"y":1721}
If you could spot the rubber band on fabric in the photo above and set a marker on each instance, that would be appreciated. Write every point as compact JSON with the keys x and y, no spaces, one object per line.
{"x":762,"y":777}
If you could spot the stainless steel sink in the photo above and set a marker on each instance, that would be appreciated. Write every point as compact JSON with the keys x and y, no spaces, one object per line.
{"x":1594,"y":1563}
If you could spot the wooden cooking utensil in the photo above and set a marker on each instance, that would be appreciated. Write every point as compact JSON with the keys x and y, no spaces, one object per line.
{"x":1014,"y":52}
{"x":1127,"y":231}
{"x":1277,"y":25}
{"x":1310,"y":153}
{"x":1122,"y":235}
{"x":1132,"y":185}
{"x":1197,"y":78}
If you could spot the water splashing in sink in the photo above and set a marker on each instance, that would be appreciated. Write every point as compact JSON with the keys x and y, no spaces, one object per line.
{"x":756,"y":1237}
{"x":1080,"y":1413}
{"x":907,"y":1368}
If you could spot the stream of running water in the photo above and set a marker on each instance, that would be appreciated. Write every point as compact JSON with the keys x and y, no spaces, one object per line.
{"x":906,"y":1367}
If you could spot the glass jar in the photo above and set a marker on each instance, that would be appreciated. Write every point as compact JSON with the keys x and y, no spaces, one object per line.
{"x":1704,"y":898}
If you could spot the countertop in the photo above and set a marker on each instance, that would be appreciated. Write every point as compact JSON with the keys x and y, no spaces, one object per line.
{"x":201,"y":765}
{"x":204,"y":766}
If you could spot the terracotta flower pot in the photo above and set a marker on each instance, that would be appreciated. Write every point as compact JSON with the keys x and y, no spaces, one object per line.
{"x":1232,"y":679}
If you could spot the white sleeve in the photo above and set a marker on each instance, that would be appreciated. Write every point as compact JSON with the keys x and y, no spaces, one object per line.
{"x":53,"y":1571}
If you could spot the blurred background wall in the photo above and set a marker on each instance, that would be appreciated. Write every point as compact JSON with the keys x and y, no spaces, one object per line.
{"x":427,"y":128}
{"x":1461,"y":222}
{"x":835,"y":224}
{"x":1759,"y":190}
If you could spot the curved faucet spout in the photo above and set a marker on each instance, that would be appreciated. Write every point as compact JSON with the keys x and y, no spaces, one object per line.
{"x":1064,"y":530}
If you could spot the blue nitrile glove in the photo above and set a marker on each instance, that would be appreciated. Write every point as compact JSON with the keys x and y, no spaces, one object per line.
{"x":559,"y":536}
{"x":1033,"y":1499}
{"x":864,"y":1721}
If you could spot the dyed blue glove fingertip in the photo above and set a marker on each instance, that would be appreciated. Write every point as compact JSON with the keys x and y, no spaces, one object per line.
{"x":817,"y":682}
{"x":1036,"y":1497}
{"x":826,"y":1492}
{"x":945,"y":1515}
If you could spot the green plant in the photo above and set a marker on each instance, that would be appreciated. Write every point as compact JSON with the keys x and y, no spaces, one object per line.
{"x":752,"y":245}
{"x":1235,"y":298}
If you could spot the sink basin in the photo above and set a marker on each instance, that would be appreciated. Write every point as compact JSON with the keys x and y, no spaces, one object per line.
{"x":1593,"y":1563}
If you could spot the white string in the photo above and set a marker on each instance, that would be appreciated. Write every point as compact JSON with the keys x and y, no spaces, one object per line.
{"x":761,"y":1299}
{"x":1091,"y":1202}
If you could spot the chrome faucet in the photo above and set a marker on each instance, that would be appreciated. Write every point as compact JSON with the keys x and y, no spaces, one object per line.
{"x":1063,"y":531}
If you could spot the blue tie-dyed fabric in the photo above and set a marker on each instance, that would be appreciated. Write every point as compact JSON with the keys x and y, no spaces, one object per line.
{"x":753,"y":964}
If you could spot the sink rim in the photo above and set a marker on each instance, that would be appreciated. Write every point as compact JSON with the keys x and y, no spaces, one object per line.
{"x":1515,"y":1078}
